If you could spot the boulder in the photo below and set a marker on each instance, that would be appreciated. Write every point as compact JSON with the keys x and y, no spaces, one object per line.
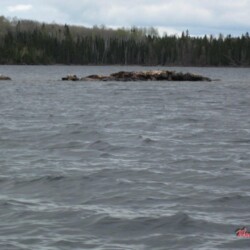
{"x":70,"y":78}
{"x":94,"y":78}
{"x":2,"y":77}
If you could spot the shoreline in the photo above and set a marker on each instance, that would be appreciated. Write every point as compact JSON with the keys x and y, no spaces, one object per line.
{"x":128,"y":65}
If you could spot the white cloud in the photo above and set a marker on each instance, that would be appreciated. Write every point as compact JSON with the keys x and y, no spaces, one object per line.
{"x":19,"y":7}
{"x":198,"y":16}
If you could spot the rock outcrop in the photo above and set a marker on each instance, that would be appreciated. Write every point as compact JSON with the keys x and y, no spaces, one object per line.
{"x":2,"y":77}
{"x":156,"y":75}
{"x":70,"y":78}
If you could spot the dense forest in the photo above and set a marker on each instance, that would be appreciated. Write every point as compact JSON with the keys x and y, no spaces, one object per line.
{"x":30,"y":42}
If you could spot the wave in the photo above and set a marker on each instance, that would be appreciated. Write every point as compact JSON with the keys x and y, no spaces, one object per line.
{"x":178,"y":223}
{"x":235,"y":199}
{"x":63,"y":145}
{"x":149,"y":141}
{"x":49,"y":178}
{"x":4,"y":179}
{"x":101,"y":145}
{"x":17,"y":202}
{"x":242,"y":141}
{"x":28,"y":181}
{"x":106,"y":155}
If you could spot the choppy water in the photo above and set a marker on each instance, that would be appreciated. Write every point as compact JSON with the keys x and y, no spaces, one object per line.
{"x":123,"y":166}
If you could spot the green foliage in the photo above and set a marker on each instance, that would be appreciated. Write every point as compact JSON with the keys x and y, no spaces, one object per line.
{"x":29,"y":42}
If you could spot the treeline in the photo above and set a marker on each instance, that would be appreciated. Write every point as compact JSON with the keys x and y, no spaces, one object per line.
{"x":30,"y":42}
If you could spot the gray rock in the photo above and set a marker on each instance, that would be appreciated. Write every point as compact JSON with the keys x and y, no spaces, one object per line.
{"x":70,"y":78}
{"x":2,"y":77}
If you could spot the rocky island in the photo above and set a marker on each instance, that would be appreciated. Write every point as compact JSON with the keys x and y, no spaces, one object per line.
{"x":154,"y":75}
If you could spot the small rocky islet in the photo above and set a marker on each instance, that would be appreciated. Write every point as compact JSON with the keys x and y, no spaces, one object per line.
{"x":154,"y":75}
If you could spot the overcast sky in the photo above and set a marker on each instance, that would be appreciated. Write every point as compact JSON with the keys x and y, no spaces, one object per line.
{"x":173,"y":16}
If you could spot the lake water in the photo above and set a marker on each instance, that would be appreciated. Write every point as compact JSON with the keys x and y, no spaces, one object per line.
{"x":123,"y":166}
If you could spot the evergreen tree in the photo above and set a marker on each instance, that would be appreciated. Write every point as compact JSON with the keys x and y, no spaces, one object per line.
{"x":29,"y":42}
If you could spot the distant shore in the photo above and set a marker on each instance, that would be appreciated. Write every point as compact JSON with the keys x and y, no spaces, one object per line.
{"x":129,"y":65}
{"x":25,"y":42}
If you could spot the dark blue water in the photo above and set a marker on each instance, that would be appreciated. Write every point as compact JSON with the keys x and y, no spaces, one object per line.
{"x":123,"y":166}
